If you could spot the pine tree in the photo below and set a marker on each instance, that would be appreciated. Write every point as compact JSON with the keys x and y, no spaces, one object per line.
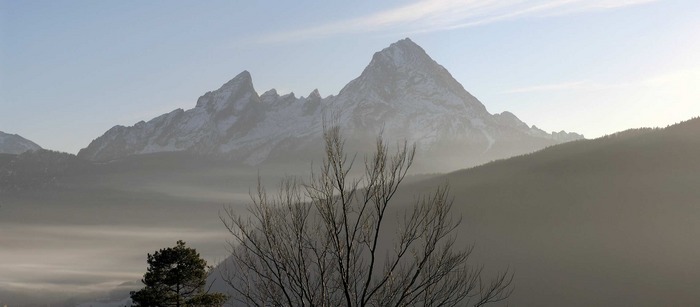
{"x":176,"y":276}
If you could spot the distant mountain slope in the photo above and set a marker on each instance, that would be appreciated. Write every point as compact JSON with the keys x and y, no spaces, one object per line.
{"x":402,"y":91}
{"x":15,"y":144}
{"x":38,"y":169}
{"x":607,"y":222}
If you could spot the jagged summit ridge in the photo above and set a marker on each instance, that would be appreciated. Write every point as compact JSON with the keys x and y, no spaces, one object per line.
{"x":402,"y":92}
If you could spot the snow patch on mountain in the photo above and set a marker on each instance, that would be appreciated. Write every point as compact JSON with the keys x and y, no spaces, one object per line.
{"x":402,"y":92}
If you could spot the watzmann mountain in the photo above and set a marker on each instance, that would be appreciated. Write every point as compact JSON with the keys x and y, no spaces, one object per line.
{"x":402,"y":92}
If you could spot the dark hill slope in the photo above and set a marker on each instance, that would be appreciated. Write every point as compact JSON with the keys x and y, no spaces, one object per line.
{"x":608,"y":222}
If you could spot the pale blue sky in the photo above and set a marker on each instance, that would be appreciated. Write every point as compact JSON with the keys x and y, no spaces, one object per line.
{"x":70,"y":70}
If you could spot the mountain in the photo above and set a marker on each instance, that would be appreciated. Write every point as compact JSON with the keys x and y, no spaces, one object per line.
{"x":605,"y":222}
{"x":402,"y":91}
{"x":15,"y":144}
{"x":36,"y":169}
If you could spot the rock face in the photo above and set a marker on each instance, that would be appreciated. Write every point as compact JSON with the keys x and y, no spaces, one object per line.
{"x":402,"y":92}
{"x":15,"y":144}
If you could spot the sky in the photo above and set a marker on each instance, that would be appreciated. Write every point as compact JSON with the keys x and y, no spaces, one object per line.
{"x":70,"y":70}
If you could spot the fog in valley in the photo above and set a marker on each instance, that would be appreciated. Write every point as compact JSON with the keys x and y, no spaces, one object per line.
{"x":86,"y":240}
{"x":614,"y":216}
{"x":567,"y":134}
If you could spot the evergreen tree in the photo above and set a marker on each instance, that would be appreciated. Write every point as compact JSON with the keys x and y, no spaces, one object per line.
{"x":176,"y":276}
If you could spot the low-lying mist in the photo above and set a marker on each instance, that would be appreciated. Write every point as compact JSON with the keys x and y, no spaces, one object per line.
{"x":88,"y":239}
{"x":610,"y":221}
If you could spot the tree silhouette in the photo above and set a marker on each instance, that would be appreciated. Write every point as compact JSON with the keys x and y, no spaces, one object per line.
{"x":328,"y":242}
{"x":176,"y":276}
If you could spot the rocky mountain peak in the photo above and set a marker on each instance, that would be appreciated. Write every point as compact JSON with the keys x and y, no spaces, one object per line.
{"x":233,"y":96}
{"x":404,"y":71}
{"x":270,"y":96}
{"x":401,"y":57}
{"x":271,"y":93}
{"x":404,"y":53}
{"x":402,"y":92}
{"x":315,"y":94}
{"x":15,"y":144}
{"x":509,"y":119}
{"x":242,"y":79}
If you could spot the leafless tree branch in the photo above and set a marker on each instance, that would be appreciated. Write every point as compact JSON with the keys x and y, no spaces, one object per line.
{"x":318,"y":243}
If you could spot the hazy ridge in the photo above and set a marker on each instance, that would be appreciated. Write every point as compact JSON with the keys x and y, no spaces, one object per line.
{"x":611,"y":221}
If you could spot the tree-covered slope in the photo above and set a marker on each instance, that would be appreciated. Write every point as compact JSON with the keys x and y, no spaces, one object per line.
{"x":612,"y":221}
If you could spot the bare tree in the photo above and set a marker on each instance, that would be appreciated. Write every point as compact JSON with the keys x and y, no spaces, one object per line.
{"x":326,"y":242}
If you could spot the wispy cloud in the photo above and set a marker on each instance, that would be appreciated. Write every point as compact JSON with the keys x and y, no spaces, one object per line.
{"x":440,"y":15}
